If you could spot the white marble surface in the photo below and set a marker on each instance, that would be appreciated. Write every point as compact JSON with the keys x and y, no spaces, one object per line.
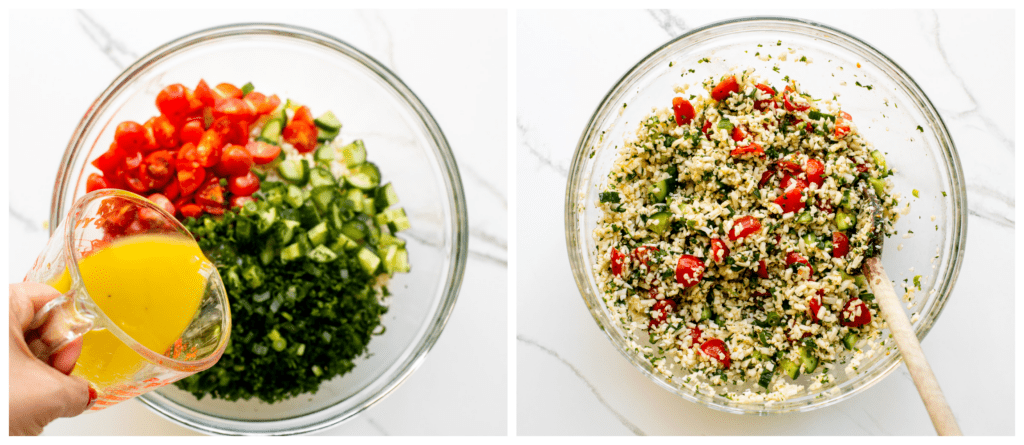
{"x":570,"y":378}
{"x":61,"y":60}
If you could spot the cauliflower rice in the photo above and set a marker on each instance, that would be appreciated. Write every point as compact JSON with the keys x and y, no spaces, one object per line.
{"x":731,"y":234}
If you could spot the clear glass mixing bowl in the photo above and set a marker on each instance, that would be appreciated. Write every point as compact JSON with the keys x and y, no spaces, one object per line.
{"x":400,"y":135}
{"x":888,"y":115}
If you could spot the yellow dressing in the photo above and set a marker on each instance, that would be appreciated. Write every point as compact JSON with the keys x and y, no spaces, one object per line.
{"x":150,"y":286}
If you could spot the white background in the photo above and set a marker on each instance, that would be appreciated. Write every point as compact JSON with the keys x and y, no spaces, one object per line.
{"x":571,"y":380}
{"x":61,"y":60}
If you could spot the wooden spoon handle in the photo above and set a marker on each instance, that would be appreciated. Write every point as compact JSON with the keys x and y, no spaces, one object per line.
{"x":892,"y":311}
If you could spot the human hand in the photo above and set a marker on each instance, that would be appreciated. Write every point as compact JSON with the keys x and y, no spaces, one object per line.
{"x":40,"y":392}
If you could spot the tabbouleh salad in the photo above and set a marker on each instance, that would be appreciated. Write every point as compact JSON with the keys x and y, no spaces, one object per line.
{"x":731,"y":233}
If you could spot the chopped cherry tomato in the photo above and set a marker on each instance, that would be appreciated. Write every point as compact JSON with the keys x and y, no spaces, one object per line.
{"x":815,"y":169}
{"x":642,"y":255}
{"x":301,"y":135}
{"x":95,"y":182}
{"x":751,"y":149}
{"x":814,"y":305}
{"x":236,"y":160}
{"x":240,"y":201}
{"x":799,"y":103}
{"x":191,"y":210}
{"x":789,"y":166}
{"x":743,"y":226}
{"x":130,"y":136}
{"x":192,"y":131}
{"x":224,"y":91}
{"x":616,"y":260}
{"x":790,"y":201}
{"x":716,"y":350}
{"x":208,"y":148}
{"x":243,"y":185}
{"x":695,"y":334}
{"x":134,"y":161}
{"x":214,"y":210}
{"x":738,"y":133}
{"x":796,"y":258}
{"x":157,"y":170}
{"x":134,"y":183}
{"x":210,"y":194}
{"x":855,"y":314}
{"x":190,"y":178}
{"x":255,"y":100}
{"x":689,"y":270}
{"x":172,"y":102}
{"x":164,"y":133}
{"x":707,"y":130}
{"x":766,"y":176}
{"x":719,"y":251}
{"x":108,"y":161}
{"x":787,"y":180}
{"x":302,"y":114}
{"x":842,"y":127}
{"x":840,"y":245}
{"x":162,"y":202}
{"x":269,"y":105}
{"x":204,"y":94}
{"x":262,"y":152}
{"x":235,"y":109}
{"x":173,"y":190}
{"x":724,"y":88}
{"x":766,"y":103}
{"x":660,"y":311}
{"x":683,"y":110}
{"x":762,"y":269}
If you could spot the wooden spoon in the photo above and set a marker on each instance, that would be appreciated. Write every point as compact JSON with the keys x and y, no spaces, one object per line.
{"x":892,"y":311}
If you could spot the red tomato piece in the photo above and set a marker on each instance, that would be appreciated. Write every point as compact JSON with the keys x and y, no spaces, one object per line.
{"x":96,"y":181}
{"x":799,"y":103}
{"x":191,"y":211}
{"x":855,"y":314}
{"x":162,"y":202}
{"x":235,"y":160}
{"x":796,"y":258}
{"x":134,"y":161}
{"x":716,"y":350}
{"x":225,"y":91}
{"x":164,"y":133}
{"x":766,"y":103}
{"x":157,"y":169}
{"x":642,"y":255}
{"x":751,"y":149}
{"x":840,"y":245}
{"x":683,"y":110}
{"x":243,"y":185}
{"x":766,"y":176}
{"x":269,"y":105}
{"x":301,"y":135}
{"x":236,"y":110}
{"x":208,"y":148}
{"x":616,"y":260}
{"x":845,"y":116}
{"x":660,"y":311}
{"x":204,"y":94}
{"x":190,"y":178}
{"x":724,"y":88}
{"x":172,"y":101}
{"x":262,"y":152}
{"x":744,"y":226}
{"x":762,"y":269}
{"x":719,"y":251}
{"x":240,"y":201}
{"x":302,"y":114}
{"x":109,"y":160}
{"x":842,"y":127}
{"x":695,"y":334}
{"x":814,"y":305}
{"x":173,"y":190}
{"x":255,"y":100}
{"x":706,"y":129}
{"x":789,"y":166}
{"x":192,"y":131}
{"x":790,"y":201}
{"x":815,"y":169}
{"x":130,"y":136}
{"x":210,"y":194}
{"x":689,"y":270}
{"x":738,"y":133}
{"x":134,"y":183}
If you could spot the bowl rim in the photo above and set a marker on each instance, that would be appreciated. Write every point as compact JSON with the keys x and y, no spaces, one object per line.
{"x":945,"y":142}
{"x":320,"y":419}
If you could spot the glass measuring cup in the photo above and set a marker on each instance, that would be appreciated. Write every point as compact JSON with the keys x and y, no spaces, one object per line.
{"x":118,"y":365}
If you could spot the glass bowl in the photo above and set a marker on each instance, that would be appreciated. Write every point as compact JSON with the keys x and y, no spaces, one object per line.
{"x":888,"y":114}
{"x":400,"y":134}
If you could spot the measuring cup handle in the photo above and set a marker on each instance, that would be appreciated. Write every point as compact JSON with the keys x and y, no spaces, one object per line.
{"x":56,"y":325}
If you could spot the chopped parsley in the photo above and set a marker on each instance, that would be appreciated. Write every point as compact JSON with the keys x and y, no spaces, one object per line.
{"x":869,"y":87}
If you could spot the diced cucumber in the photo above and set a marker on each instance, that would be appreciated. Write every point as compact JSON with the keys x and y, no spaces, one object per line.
{"x":318,"y":234}
{"x":705,"y":313}
{"x":337,"y":215}
{"x":862,"y":282}
{"x":355,"y":229}
{"x":295,"y":171}
{"x":661,"y":222}
{"x":804,"y":218}
{"x":845,"y":203}
{"x":790,"y":367}
{"x":766,"y":377}
{"x":309,"y":215}
{"x":286,"y":231}
{"x":322,"y":254}
{"x":389,"y":258}
{"x":369,"y":169}
{"x":387,"y":239}
{"x":659,"y":191}
{"x":323,"y":196}
{"x":271,"y":132}
{"x":291,"y":252}
{"x":845,"y":221}
{"x":324,"y":153}
{"x":326,"y":135}
{"x":294,"y":196}
{"x":291,"y":105}
{"x":386,"y":196}
{"x":368,"y":206}
{"x":343,"y":244}
{"x":879,"y":159}
{"x":356,"y":197}
{"x":268,"y":253}
{"x":320,"y":176}
{"x":401,"y":263}
{"x":809,"y":239}
{"x":266,"y":221}
{"x":328,"y":121}
{"x":808,"y":360}
{"x":397,"y":221}
{"x":878,"y":185}
{"x":369,"y":260}
{"x":850,"y":340}
{"x":354,"y":154}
